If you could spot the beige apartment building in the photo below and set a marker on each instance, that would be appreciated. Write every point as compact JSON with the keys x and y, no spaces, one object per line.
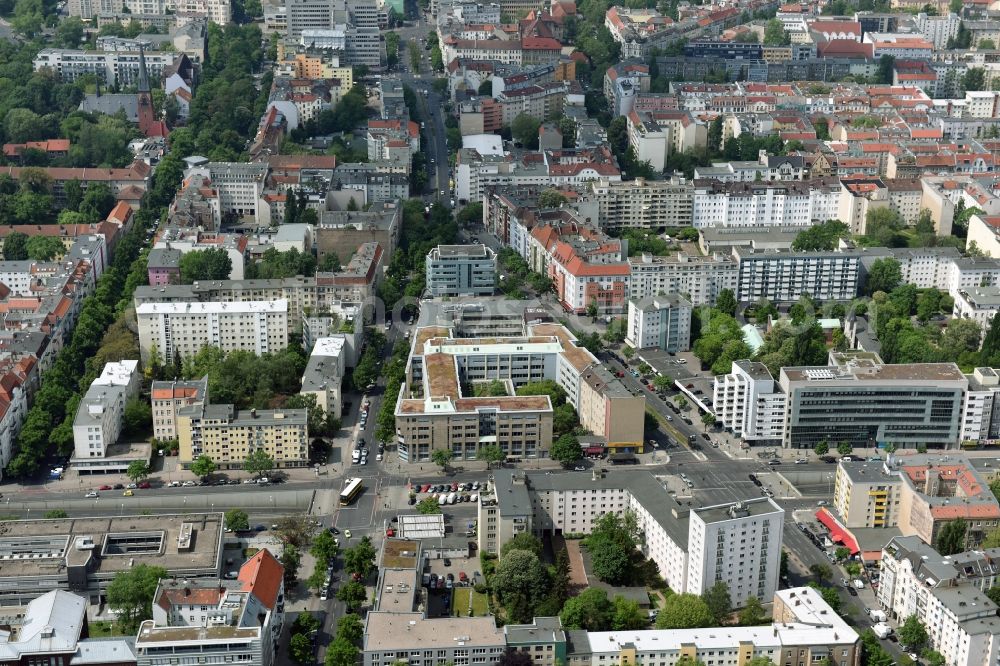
{"x":642,"y":203}
{"x":228,"y":435}
{"x":168,"y":397}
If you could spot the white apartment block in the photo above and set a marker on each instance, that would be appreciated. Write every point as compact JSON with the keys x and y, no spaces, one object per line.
{"x":739,"y":544}
{"x":112,"y":68}
{"x":762,"y":203}
{"x":785,"y":276}
{"x":980,"y":305}
{"x":216,"y":11}
{"x":325,"y":372}
{"x":766,"y":167}
{"x":981,"y":408}
{"x":749,"y":402}
{"x":699,"y":279}
{"x":961,"y":621}
{"x":686,"y":544}
{"x":938,"y":29}
{"x":240,"y":186}
{"x":183,"y":328}
{"x":661,"y":322}
{"x":98,"y":421}
{"x":656,"y":135}
{"x":642,"y":203}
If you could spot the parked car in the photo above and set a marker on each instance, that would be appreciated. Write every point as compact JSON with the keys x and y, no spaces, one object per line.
{"x":104,"y":487}
{"x":92,"y":493}
{"x":145,"y":485}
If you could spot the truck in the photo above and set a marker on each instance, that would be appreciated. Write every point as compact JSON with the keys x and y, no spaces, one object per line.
{"x":878,"y":616}
{"x":882,"y":630}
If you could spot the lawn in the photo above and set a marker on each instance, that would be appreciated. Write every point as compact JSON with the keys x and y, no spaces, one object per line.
{"x":460,"y":602}
{"x":102,"y":629}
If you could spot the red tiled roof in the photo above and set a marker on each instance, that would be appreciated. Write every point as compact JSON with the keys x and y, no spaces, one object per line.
{"x":262,"y":575}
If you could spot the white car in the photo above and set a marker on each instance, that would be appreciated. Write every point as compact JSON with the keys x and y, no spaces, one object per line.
{"x":189,"y":483}
{"x":378,"y":458}
{"x":92,"y":493}
{"x":801,"y":461}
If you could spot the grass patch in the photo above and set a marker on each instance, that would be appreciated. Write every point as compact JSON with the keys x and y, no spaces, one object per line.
{"x":103,"y":629}
{"x":460,"y":603}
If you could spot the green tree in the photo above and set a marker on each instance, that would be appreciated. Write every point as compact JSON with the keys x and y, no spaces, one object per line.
{"x":821,"y":236}
{"x":300,"y":649}
{"x":591,"y":610}
{"x":200,"y":265}
{"x":15,"y":247}
{"x":237,"y":520}
{"x":592,"y":310}
{"x":520,"y":584}
{"x":842,"y":553}
{"x":491,"y":454}
{"x":912,"y":633}
{"x":627,"y":615}
{"x":844,"y":448}
{"x":441,"y":457}
{"x":258,"y":462}
{"x":551,"y":198}
{"x":429,"y":505}
{"x":137,"y":417}
{"x":341,"y":652}
{"x":884,"y":275}
{"x":130,"y":595}
{"x":684,"y":611}
{"x":611,"y":545}
{"x":775,"y":35}
{"x":822,"y":447}
{"x":360,"y":559}
{"x":56,"y":513}
{"x":350,"y":628}
{"x":752,"y":612}
{"x":352,"y":594}
{"x":820,"y":571}
{"x":951,"y":537}
{"x":764,"y":661}
{"x":524,"y":129}
{"x":523,"y":541}
{"x":974,"y":79}
{"x":561,"y":577}
{"x":203,"y":466}
{"x":566,"y":449}
{"x":291,"y":560}
{"x":933,"y":657}
{"x":138,"y":470}
{"x":991,"y":342}
{"x":45,"y":248}
{"x":718,"y":601}
{"x":987,"y":45}
{"x":708,"y":419}
{"x":726,"y":302}
{"x":323,"y":547}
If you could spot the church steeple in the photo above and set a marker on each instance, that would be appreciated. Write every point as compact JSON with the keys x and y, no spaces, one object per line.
{"x":143,"y":72}
{"x":147,"y":117}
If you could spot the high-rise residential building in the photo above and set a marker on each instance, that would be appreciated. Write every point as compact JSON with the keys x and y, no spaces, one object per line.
{"x":661,"y":322}
{"x":239,"y":186}
{"x":325,"y":372}
{"x":863,"y":401}
{"x":228,"y":436}
{"x":112,"y":68}
{"x":183,"y":328}
{"x":642,"y":203}
{"x":749,"y":402}
{"x":169,"y":396}
{"x":99,"y":418}
{"x":784,"y":276}
{"x":699,"y":279}
{"x":461,"y":270}
{"x":716,"y":203}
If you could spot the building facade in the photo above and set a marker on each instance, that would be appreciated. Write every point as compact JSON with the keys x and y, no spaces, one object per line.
{"x":461,"y":270}
{"x":661,"y":322}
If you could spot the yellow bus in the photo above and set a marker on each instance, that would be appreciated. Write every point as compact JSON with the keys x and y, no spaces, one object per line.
{"x":351,"y":491}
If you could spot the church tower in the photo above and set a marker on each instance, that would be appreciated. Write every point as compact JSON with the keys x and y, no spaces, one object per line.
{"x":147,"y":116}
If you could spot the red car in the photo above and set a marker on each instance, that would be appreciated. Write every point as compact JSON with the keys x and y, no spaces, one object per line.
{"x":390,"y":532}
{"x":144,"y":485}
{"x":462,"y":577}
{"x":424,"y":488}
{"x":105,"y":487}
{"x":454,"y":487}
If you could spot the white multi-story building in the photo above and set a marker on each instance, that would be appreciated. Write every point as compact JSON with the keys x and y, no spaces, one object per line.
{"x":961,"y":621}
{"x":216,"y":11}
{"x":699,"y":279}
{"x":325,"y":372}
{"x":240,"y":186}
{"x":981,"y":409}
{"x":112,"y":68}
{"x":980,"y":305}
{"x":642,"y":203}
{"x":938,"y":29}
{"x":761,"y":203}
{"x":749,"y":402}
{"x":684,"y":543}
{"x":655,"y":135}
{"x":461,"y":270}
{"x":785,"y":276}
{"x":662,"y":322}
{"x":766,"y":167}
{"x":166,"y":329}
{"x":98,"y":421}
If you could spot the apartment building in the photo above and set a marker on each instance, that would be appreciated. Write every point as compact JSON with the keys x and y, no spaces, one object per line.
{"x":461,"y":270}
{"x":538,"y":100}
{"x":655,"y":135}
{"x":660,"y":322}
{"x":782,"y":277}
{"x":343,"y":231}
{"x":698,"y":279}
{"x":622,"y":83}
{"x":717,"y":203}
{"x":169,"y":396}
{"x":683,"y":542}
{"x":610,"y":410}
{"x":748,"y":402}
{"x":99,"y":417}
{"x":981,"y":411}
{"x":228,"y":436}
{"x":979,"y":304}
{"x":766,"y":167}
{"x":111,"y":68}
{"x":917,"y":494}
{"x":239,"y":186}
{"x":163,"y":266}
{"x":183,"y":328}
{"x":237,"y":621}
{"x":632,"y":28}
{"x":216,"y":11}
{"x":324,"y":374}
{"x":961,"y":621}
{"x":644,"y":204}
{"x":938,"y":29}
{"x":859,"y":196}
{"x":866,"y":402}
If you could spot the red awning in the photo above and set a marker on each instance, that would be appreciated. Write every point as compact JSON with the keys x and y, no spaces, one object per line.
{"x":838,"y":533}
{"x":593,"y":450}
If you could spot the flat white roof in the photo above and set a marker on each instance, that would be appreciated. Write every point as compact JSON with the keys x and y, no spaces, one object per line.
{"x":484,"y":144}
{"x":213,"y":307}
{"x":329,"y":346}
{"x":117,"y":374}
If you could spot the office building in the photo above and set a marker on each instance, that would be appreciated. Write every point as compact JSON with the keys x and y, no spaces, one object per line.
{"x":661,"y":322}
{"x":99,"y":418}
{"x":782,"y":277}
{"x":225,"y":621}
{"x":749,"y":402}
{"x":917,"y":494}
{"x":325,"y":372}
{"x":961,"y":621}
{"x":83,"y":555}
{"x":868,"y":403}
{"x":167,"y":397}
{"x":184,"y":328}
{"x":228,"y":436}
{"x":684,"y":542}
{"x":641,"y":203}
{"x":461,"y":270}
